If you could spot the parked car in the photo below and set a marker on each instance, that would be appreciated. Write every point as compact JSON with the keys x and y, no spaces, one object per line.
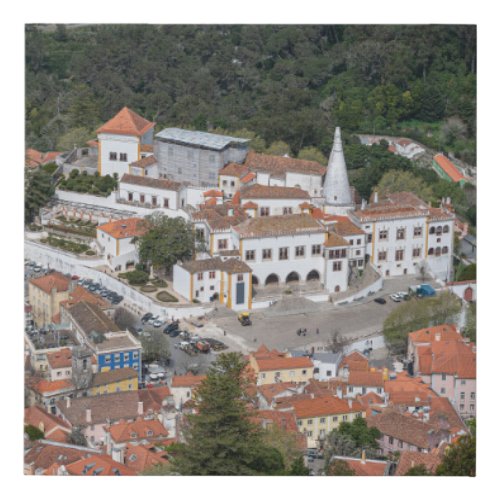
{"x":75,"y":277}
{"x":146,"y":317}
{"x":379,"y":300}
{"x":404,"y":295}
{"x":202,"y":346}
{"x":158,"y":323}
{"x":244,"y":319}
{"x":395,"y":297}
{"x":172,"y":326}
{"x":185,"y":335}
{"x":174,"y":333}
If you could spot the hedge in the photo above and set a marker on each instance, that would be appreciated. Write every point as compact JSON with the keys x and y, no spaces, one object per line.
{"x":166,"y":297}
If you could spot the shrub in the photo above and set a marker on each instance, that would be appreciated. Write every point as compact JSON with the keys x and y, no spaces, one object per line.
{"x":33,"y":432}
{"x":90,"y":252}
{"x":135,"y":277}
{"x":166,"y":297}
{"x":159,"y":283}
{"x":148,"y":288}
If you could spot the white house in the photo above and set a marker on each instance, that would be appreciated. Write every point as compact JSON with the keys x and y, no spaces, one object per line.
{"x":336,"y":262}
{"x":121,"y":141}
{"x":149,"y":192}
{"x":226,"y":281}
{"x":230,"y":178}
{"x":116,"y":241}
{"x":326,"y":365}
{"x":147,"y":166}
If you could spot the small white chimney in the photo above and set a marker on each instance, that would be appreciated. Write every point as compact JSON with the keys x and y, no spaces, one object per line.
{"x":363,"y":204}
{"x":140,"y":408}
{"x":375,"y":197}
{"x":349,"y":402}
{"x":68,"y":402}
{"x":437,"y":337}
{"x":339,"y":392}
{"x":88,"y":415}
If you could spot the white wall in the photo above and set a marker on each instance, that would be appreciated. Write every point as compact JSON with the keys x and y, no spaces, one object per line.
{"x":276,"y":205}
{"x":148,"y":192}
{"x":127,"y":144}
{"x":310,"y":183}
{"x":337,"y":278}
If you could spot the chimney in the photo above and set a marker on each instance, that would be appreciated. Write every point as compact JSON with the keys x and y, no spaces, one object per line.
{"x":363,"y":204}
{"x":339,"y":392}
{"x":312,"y":395}
{"x":363,"y":457}
{"x":140,"y":408}
{"x":437,"y":337}
{"x":88,"y":415}
{"x":375,"y":197}
{"x":68,"y":402}
{"x":349,"y":402}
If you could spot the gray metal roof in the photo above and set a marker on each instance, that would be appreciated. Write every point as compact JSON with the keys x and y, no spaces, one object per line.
{"x":196,"y":138}
{"x":327,"y":357}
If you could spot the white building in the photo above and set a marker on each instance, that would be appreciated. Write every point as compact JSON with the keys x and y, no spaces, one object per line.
{"x":326,"y":365}
{"x":116,"y":241}
{"x":336,"y":262}
{"x":226,"y":281}
{"x":147,"y":166}
{"x":149,"y":192}
{"x":121,"y":141}
{"x":232,"y":177}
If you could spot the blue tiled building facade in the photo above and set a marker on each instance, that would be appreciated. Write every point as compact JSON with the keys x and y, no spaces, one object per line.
{"x":122,"y":359}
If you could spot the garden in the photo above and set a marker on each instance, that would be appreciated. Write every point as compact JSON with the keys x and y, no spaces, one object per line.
{"x":67,"y":245}
{"x":91,"y":184}
{"x":140,"y":278}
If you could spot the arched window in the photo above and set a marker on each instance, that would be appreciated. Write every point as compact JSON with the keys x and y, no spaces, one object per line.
{"x":445,"y":250}
{"x":431,"y":251}
{"x":446,"y":229}
{"x":439,"y":231}
{"x":337,"y":288}
{"x":432,"y":230}
{"x":438,"y":251}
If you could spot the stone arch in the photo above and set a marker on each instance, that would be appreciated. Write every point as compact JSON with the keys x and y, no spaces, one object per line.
{"x":337,"y":288}
{"x":255,"y":280}
{"x":293,"y":276}
{"x":272,"y":279}
{"x":312,"y":275}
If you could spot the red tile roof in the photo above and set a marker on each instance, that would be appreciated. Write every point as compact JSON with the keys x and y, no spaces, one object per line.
{"x":442,"y":409}
{"x":248,"y":177}
{"x":233,"y":170}
{"x":279,"y":165}
{"x":365,"y":467}
{"x":154,"y":398}
{"x":124,"y":228}
{"x":270,"y":391}
{"x":126,"y":122}
{"x":250,"y":204}
{"x":60,"y":359}
{"x":366,"y":379}
{"x":448,"y":167}
{"x":283,"y":363}
{"x":273,"y":192}
{"x":138,"y":430}
{"x":80,"y":294}
{"x":99,"y":465}
{"x":188,"y":380}
{"x":344,"y":226}
{"x":147,"y":161}
{"x":34,"y":158}
{"x":147,"y":148}
{"x":326,"y":405}
{"x":427,"y":335}
{"x":54,"y":428}
{"x":212,"y":193}
{"x":409,"y":459}
{"x":142,"y":457}
{"x":50,"y":281}
{"x":355,"y":361}
{"x":334,"y":240}
{"x":44,"y":456}
{"x":47,"y":386}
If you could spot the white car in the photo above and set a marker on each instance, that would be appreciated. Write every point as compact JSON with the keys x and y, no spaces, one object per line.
{"x":395,"y":297}
{"x":157,"y":323}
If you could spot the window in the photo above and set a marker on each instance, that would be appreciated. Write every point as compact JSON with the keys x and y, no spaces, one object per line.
{"x":472,"y":407}
{"x":165,"y":202}
{"x":439,"y":231}
{"x":224,"y":183}
{"x":369,"y":238}
{"x":337,"y":265}
{"x":322,"y":420}
{"x":250,"y":255}
{"x":382,"y":256}
{"x":417,"y":231}
{"x":107,"y":358}
{"x":445,"y":250}
{"x":462,"y":395}
{"x":123,"y":156}
{"x":358,"y":252}
{"x":316,"y":249}
{"x":473,"y":395}
{"x":400,"y":254}
{"x":267,"y":254}
{"x":283,"y":255}
{"x":300,"y":251}
{"x":130,"y":196}
{"x":328,"y":373}
{"x":442,"y":391}
{"x":309,"y":422}
{"x":344,"y":418}
{"x":58,"y":373}
{"x":462,"y":407}
{"x":416,"y":252}
{"x":222,"y":244}
{"x":382,"y":235}
{"x":112,"y":156}
{"x":211,"y":275}
{"x":358,"y":241}
{"x":264,"y":211}
{"x":430,"y":251}
{"x":117,"y":357}
{"x":287,"y":210}
{"x":232,"y":183}
{"x":141,"y":198}
{"x":360,"y":263}
{"x":304,"y":372}
{"x":154,"y":201}
{"x":335,"y":419}
{"x":126,"y":356}
{"x":446,"y":229}
{"x":200,"y":276}
{"x":351,"y":242}
{"x":438,"y":251}
{"x":462,"y":382}
{"x":432,"y":230}
{"x":299,"y":422}
{"x":309,"y":433}
{"x":443,"y":376}
{"x":391,"y":440}
{"x":239,"y":277}
{"x":350,"y":389}
{"x":212,"y":288}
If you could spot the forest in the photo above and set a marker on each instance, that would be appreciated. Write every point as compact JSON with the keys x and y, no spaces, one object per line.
{"x":287,"y":83}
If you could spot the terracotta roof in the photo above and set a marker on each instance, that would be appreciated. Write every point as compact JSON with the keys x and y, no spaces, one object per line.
{"x":60,"y":359}
{"x":250,"y":204}
{"x":80,"y":294}
{"x":90,"y":318}
{"x":453,"y":358}
{"x":406,"y":428}
{"x":406,"y":390}
{"x":210,"y":202}
{"x":326,"y":387}
{"x":334,"y":240}
{"x":147,"y":161}
{"x":367,"y":467}
{"x":326,"y":405}
{"x":112,"y":376}
{"x":270,"y":391}
{"x":99,"y":465}
{"x":142,"y":457}
{"x":280,"y":362}
{"x":50,"y":281}
{"x":114,"y":406}
{"x":126,"y":122}
{"x":279,"y":165}
{"x":34,"y":158}
{"x":355,"y":361}
{"x":248,"y":177}
{"x":139,"y":180}
{"x":188,"y":380}
{"x":344,"y":226}
{"x":56,"y":386}
{"x":45,"y":455}
{"x":124,"y":228}
{"x":54,"y":428}
{"x":369,"y":399}
{"x":409,"y":459}
{"x":147,"y":148}
{"x":138,"y":430}
{"x":225,"y":222}
{"x":229,"y":265}
{"x":273,"y":192}
{"x":366,"y":379}
{"x":442,"y":409}
{"x":233,"y":170}
{"x":448,"y":167}
{"x":279,"y":225}
{"x":235,"y":200}
{"x":153,"y":398}
{"x":427,"y":335}
{"x":212,"y":193}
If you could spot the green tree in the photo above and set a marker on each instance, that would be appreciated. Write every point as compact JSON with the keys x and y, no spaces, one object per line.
{"x":166,"y":241}
{"x":396,"y":181}
{"x":470,"y":325}
{"x":33,"y":432}
{"x":156,"y":347}
{"x":38,"y":190}
{"x":278,"y":148}
{"x":77,"y":437}
{"x":467,"y":273}
{"x":220,"y":438}
{"x":460,"y":457}
{"x":418,"y":470}
{"x":339,"y":468}
{"x":75,"y":137}
{"x":298,"y":468}
{"x":312,"y":154}
{"x":285,"y":442}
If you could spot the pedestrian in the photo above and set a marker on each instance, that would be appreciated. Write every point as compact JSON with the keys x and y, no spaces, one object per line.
{"x":224,"y":333}
{"x":255,"y":339}
{"x":317,"y":331}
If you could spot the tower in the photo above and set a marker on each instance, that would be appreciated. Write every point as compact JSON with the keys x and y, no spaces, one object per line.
{"x":336,"y":189}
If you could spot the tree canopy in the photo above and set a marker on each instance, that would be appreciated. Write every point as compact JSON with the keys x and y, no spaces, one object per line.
{"x":460,"y":457}
{"x":166,"y":241}
{"x":38,"y":190}
{"x":155,"y":347}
